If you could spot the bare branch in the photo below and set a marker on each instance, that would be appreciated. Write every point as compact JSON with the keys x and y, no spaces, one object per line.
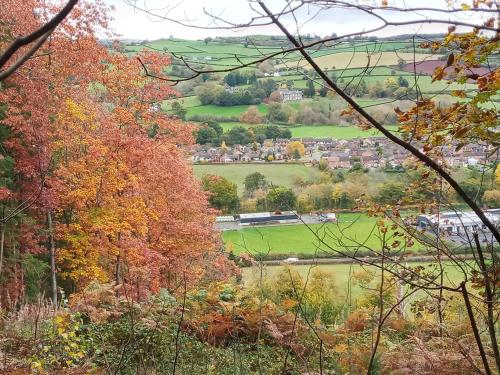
{"x":41,"y":33}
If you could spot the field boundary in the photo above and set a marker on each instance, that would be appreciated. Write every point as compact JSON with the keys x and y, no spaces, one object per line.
{"x":318,"y":261}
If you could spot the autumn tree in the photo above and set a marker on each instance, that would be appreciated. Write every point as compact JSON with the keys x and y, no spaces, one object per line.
{"x":93,"y":174}
{"x":492,"y":198}
{"x":295,"y":149}
{"x":251,"y":116}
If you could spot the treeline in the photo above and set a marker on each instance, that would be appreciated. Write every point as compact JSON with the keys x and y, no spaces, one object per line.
{"x":214,"y":93}
{"x":340,"y":189}
{"x":211,"y":132}
{"x":318,"y":112}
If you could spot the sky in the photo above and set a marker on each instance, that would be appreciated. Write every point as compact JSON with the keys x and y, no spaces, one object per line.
{"x":131,"y":22}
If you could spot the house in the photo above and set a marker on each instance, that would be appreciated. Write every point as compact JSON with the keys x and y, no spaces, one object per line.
{"x":231,"y":89}
{"x":289,"y":95}
{"x":370,"y":159}
{"x":339,"y":160}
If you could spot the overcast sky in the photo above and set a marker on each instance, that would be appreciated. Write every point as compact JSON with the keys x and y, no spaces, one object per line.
{"x":131,"y":23}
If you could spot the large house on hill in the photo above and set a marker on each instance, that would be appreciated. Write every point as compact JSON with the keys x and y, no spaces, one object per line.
{"x":289,"y":95}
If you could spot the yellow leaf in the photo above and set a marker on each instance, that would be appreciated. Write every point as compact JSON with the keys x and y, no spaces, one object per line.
{"x":289,"y":303}
{"x":340,"y":348}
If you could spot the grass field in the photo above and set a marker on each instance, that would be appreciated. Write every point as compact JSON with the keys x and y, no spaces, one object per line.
{"x":235,"y":110}
{"x":232,"y":54}
{"x":342,"y":275}
{"x":352,"y":76}
{"x":332,"y":131}
{"x":319,"y":131}
{"x":278,"y":174}
{"x":298,"y":239}
{"x":207,"y":53}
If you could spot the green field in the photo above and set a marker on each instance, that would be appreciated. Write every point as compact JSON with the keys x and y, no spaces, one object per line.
{"x":351,"y":230}
{"x":197,"y":51}
{"x":320,"y":131}
{"x":234,"y":53}
{"x":333,"y":131}
{"x":277,"y":174}
{"x":235,"y":110}
{"x":352,"y":76}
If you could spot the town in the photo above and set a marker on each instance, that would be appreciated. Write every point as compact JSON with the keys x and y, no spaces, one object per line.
{"x":371,"y":152}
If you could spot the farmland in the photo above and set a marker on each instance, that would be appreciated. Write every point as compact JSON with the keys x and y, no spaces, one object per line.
{"x":351,"y":230}
{"x":346,"y":60}
{"x":199,"y":51}
{"x":277,"y":174}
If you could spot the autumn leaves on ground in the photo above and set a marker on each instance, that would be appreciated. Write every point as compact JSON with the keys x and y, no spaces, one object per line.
{"x":109,"y":263}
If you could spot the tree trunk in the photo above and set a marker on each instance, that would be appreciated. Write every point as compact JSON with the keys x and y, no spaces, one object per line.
{"x":2,"y":242}
{"x":475,"y":329}
{"x":52,"y":249}
{"x":489,"y":294}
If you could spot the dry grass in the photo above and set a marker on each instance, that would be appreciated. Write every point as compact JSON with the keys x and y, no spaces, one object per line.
{"x":345,"y":60}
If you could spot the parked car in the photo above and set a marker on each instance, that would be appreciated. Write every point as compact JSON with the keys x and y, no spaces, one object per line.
{"x":328,"y":218}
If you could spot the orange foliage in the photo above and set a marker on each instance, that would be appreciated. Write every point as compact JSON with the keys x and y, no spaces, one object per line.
{"x":92,"y":145}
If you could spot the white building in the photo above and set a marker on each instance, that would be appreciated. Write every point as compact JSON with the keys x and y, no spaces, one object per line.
{"x":457,"y":223}
{"x":289,"y":95}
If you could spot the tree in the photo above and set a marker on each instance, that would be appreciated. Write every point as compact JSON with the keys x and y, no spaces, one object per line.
{"x":281,"y":198}
{"x":208,"y":92}
{"x":275,"y":97}
{"x":403,"y":82}
{"x":401,"y":64}
{"x":107,"y":193}
{"x":207,"y":40}
{"x":323,"y":91}
{"x":295,"y":149}
{"x":390,"y":193}
{"x":206,"y":134}
{"x":492,"y":198}
{"x":274,"y":132}
{"x":251,"y":116}
{"x":323,"y":165}
{"x":223,"y":194}
{"x":239,"y":135}
{"x":310,"y":91}
{"x":216,"y":126}
{"x":268,"y":85}
{"x":178,"y":110}
{"x":277,"y":113}
{"x":255,"y":181}
{"x":235,"y":78}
